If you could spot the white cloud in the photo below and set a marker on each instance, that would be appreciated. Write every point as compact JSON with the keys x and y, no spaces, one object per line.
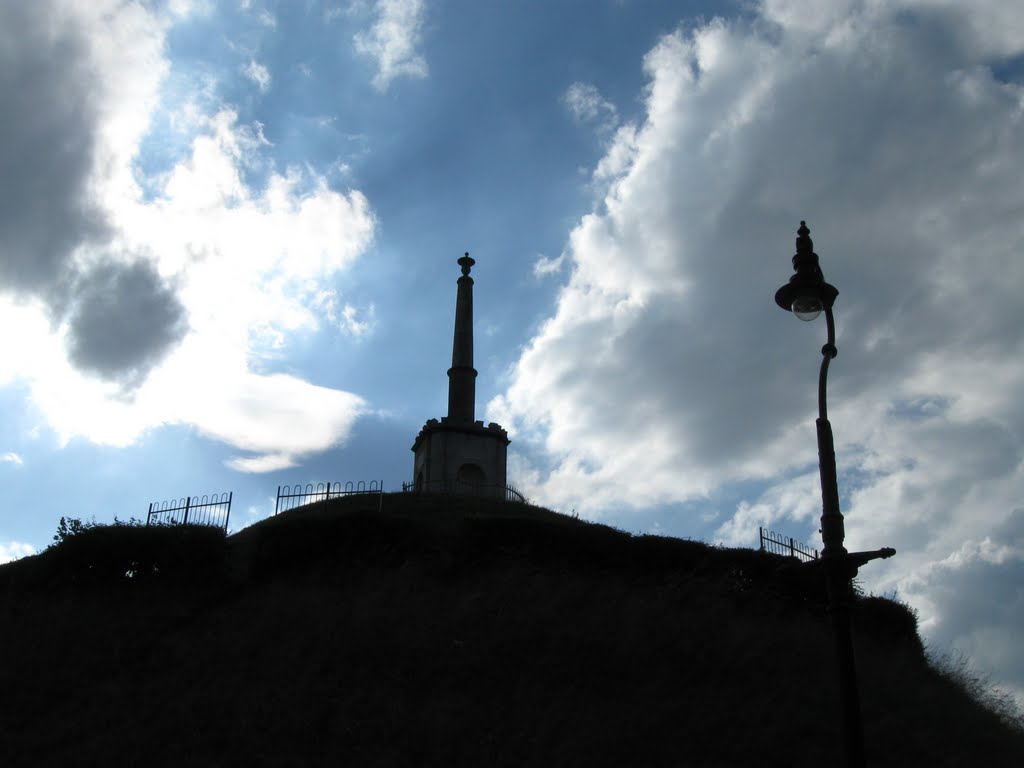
{"x":714,"y":172}
{"x":350,"y":319}
{"x":545,"y":266}
{"x":985,"y":28}
{"x":12,"y":458}
{"x":270,"y":462}
{"x":12,"y":550}
{"x":351,"y":322}
{"x":587,"y":105}
{"x":393,"y":41}
{"x":666,"y":373}
{"x":238,"y":266}
{"x":973,"y":600}
{"x":258,"y":73}
{"x":183,"y":8}
{"x":796,"y":499}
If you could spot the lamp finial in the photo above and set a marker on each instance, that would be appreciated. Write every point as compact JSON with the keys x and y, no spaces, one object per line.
{"x":804,"y":244}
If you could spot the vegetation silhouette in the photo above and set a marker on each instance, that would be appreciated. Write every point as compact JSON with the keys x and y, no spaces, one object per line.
{"x":450,"y":630}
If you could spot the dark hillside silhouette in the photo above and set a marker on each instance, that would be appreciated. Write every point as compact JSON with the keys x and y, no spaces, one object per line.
{"x":452,"y":630}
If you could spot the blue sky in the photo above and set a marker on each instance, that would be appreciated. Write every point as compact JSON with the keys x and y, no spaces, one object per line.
{"x":228,"y":235}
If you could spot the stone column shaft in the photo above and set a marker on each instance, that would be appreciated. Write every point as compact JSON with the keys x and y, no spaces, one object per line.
{"x":462,"y":375}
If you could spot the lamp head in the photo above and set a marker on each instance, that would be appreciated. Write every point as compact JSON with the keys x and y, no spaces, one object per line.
{"x":806,"y":294}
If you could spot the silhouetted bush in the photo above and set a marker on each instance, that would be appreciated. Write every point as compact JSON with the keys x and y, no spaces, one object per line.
{"x":888,"y":620}
{"x":88,"y":553}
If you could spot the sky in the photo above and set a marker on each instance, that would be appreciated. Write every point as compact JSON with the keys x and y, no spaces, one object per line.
{"x":229,"y":233}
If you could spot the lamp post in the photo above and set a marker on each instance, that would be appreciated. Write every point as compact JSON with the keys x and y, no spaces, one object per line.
{"x":807,"y":295}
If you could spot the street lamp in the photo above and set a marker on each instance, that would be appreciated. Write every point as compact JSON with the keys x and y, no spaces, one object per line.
{"x":807,"y":295}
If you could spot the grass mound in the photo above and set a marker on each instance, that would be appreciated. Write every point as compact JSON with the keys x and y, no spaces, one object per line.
{"x":434,"y":630}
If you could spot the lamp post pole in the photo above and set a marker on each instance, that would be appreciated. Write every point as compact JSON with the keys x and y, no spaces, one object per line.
{"x":806,"y":295}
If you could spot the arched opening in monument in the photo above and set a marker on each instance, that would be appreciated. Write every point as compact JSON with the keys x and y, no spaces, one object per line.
{"x":471,"y":474}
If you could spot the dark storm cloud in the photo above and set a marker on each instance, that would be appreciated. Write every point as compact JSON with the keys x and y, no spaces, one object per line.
{"x":123,"y":319}
{"x":48,"y":129}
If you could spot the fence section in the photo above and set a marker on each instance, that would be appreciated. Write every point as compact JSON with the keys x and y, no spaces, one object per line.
{"x":785,"y":545}
{"x":292,"y":496}
{"x":486,"y":490}
{"x":213,"y":509}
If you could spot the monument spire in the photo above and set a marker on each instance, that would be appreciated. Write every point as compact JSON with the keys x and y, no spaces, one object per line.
{"x":458,"y":454}
{"x":462,"y":374}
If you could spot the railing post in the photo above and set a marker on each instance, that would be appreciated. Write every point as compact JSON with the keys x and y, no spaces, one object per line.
{"x":188,"y":504}
{"x":792,"y":550}
{"x":150,"y":513}
{"x":228,"y":515}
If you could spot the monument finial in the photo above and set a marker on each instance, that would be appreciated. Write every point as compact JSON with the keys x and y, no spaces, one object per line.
{"x":466,"y":263}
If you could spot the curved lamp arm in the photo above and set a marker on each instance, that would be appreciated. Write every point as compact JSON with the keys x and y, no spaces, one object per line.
{"x":828,"y":352}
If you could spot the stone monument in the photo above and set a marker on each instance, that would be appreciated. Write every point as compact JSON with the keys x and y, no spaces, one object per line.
{"x":459,"y":454}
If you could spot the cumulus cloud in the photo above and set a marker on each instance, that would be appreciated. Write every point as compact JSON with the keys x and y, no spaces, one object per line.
{"x":12,"y":458}
{"x":138,"y":309}
{"x":666,"y":374}
{"x":393,"y":41}
{"x":795,"y":500}
{"x":975,"y":599}
{"x":696,"y":229}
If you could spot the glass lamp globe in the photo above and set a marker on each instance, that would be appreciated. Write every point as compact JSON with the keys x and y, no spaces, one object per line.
{"x":807,"y":308}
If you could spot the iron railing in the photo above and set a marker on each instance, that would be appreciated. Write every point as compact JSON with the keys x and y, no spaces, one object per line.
{"x":785,"y":545}
{"x":213,"y":509}
{"x":292,"y":496}
{"x":486,"y":490}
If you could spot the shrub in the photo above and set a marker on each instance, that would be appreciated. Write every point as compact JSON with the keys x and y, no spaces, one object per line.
{"x":94,"y":553}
